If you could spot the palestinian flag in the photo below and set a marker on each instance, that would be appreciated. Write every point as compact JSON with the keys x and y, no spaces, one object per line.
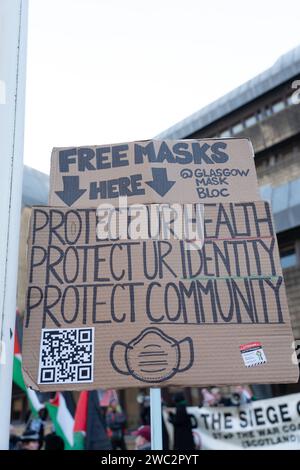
{"x":61,"y":411}
{"x":80,"y":421}
{"x":34,"y":398}
{"x":89,"y":428}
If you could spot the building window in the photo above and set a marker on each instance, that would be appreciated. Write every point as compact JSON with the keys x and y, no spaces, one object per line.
{"x":288,"y":257}
{"x":272,"y":160}
{"x":295,"y":192}
{"x":250,"y":121}
{"x":237,"y":128}
{"x":268,"y":112}
{"x":225,"y":133}
{"x":277,"y":107}
{"x":280,"y":198}
{"x":261,"y":115}
{"x":266,"y":192}
{"x":290,"y":100}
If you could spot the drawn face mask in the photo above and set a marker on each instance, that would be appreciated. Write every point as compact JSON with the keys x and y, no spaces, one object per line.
{"x":152,"y":356}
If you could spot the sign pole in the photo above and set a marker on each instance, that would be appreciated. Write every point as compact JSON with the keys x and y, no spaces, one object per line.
{"x":13,"y":39}
{"x":156,"y":419}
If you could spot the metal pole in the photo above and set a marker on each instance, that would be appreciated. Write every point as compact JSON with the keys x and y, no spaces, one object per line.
{"x":13,"y":40}
{"x":156,"y":419}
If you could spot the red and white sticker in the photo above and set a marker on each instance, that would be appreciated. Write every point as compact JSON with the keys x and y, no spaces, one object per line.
{"x":253,"y":354}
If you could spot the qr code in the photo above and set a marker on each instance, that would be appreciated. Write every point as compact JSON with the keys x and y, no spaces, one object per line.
{"x":66,"y":356}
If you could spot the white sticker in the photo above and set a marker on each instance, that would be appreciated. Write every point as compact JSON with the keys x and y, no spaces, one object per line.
{"x":66,"y":356}
{"x":253,"y":354}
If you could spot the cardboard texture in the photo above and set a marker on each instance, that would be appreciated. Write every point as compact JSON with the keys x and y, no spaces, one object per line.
{"x":151,"y":312}
{"x":210,"y":170}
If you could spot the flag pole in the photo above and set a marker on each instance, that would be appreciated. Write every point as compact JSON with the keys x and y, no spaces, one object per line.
{"x":156,"y":419}
{"x":13,"y":40}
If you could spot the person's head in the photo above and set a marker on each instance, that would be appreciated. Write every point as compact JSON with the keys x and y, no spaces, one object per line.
{"x":208,"y":397}
{"x":113,"y":404}
{"x":146,"y":401}
{"x":54,"y":442}
{"x":216,"y":393}
{"x":43,"y":414}
{"x":14,"y":441}
{"x":30,"y":440}
{"x":236,"y":399}
{"x":179,"y":399}
{"x":142,"y":437}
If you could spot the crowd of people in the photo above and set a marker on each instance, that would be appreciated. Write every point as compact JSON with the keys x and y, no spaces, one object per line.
{"x":35,"y":438}
{"x":239,"y":395}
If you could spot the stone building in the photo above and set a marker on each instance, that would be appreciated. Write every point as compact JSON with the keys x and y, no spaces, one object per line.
{"x":267,"y":110}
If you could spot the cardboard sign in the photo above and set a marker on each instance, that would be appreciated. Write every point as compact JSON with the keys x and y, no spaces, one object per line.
{"x":150,"y":312}
{"x":154,"y":171}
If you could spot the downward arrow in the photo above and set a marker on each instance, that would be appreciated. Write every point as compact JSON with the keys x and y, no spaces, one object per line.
{"x":160,"y":184}
{"x":71,"y":191}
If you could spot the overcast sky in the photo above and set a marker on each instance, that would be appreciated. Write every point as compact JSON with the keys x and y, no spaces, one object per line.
{"x":105,"y":71}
